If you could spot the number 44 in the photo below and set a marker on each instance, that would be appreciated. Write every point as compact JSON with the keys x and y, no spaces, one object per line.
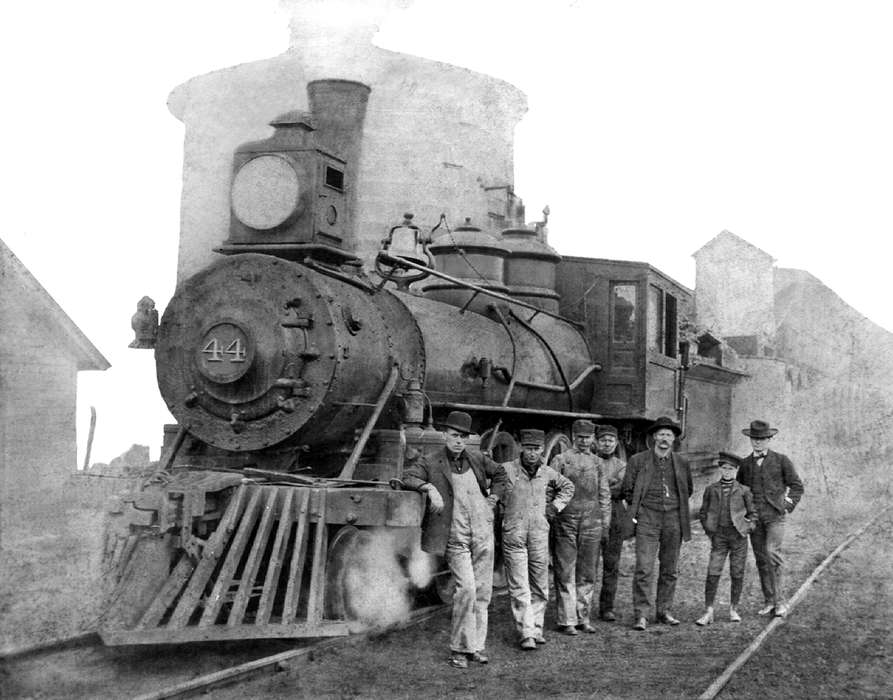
{"x":235,"y":351}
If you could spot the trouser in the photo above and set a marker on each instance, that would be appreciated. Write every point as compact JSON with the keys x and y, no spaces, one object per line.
{"x":526,"y":555}
{"x":576,"y":549}
{"x":766,"y":541}
{"x":658,"y":534}
{"x":726,"y":542}
{"x":611,"y":565}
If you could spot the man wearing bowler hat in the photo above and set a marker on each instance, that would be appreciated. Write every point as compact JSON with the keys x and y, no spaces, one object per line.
{"x":577,"y":530}
{"x":776,"y":489}
{"x":657,"y":487}
{"x":525,"y":534}
{"x":459,"y":526}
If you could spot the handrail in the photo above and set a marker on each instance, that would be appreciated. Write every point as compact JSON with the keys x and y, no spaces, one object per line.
{"x":515,"y":410}
{"x":397,"y":260}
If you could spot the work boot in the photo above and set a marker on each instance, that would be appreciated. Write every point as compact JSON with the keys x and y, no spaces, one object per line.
{"x":667,"y":619}
{"x":481,"y":657}
{"x":528,"y":644}
{"x":569,"y":630}
{"x":540,"y":640}
{"x":458,"y":660}
{"x":586,"y":627}
{"x":608,"y":616}
{"x":641,"y":624}
{"x":706,"y":618}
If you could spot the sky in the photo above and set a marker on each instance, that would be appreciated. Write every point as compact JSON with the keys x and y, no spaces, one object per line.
{"x":651,"y":127}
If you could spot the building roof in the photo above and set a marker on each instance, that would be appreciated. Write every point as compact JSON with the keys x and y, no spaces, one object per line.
{"x":727,"y":239}
{"x":14,"y":272}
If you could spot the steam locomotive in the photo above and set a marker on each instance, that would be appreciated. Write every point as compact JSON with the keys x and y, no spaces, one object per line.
{"x":301,"y":377}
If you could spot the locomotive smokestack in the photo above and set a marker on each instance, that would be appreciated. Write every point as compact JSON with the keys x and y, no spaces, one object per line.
{"x":339,"y":109}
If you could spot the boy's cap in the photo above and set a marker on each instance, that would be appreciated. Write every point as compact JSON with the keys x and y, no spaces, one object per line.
{"x":728,"y":458}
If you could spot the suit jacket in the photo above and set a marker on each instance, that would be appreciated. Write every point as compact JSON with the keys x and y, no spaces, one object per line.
{"x":639,"y":470}
{"x":780,"y":479}
{"x":740,"y":507}
{"x":434,"y":468}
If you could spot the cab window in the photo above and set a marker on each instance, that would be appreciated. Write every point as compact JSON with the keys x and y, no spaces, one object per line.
{"x":623,"y":312}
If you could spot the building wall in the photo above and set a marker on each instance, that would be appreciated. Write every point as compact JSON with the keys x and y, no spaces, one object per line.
{"x":734,"y":288}
{"x":708,"y":422}
{"x":38,"y":381}
{"x":765,"y":395}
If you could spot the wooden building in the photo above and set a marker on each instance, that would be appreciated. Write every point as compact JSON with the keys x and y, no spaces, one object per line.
{"x":41,"y":352}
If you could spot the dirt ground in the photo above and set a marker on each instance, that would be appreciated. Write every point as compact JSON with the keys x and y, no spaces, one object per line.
{"x":837,"y":643}
{"x":50,"y":556}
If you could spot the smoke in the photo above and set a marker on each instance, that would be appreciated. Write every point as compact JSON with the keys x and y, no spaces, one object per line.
{"x":385,"y":571}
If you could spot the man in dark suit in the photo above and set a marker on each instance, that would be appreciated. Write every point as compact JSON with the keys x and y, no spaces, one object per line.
{"x":459,"y":525}
{"x":657,"y":487}
{"x":776,"y":489}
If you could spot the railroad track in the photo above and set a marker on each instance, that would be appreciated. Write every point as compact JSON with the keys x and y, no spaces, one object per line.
{"x":82,"y":666}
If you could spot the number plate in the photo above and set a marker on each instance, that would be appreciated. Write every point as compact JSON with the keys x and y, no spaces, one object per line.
{"x":225,"y":352}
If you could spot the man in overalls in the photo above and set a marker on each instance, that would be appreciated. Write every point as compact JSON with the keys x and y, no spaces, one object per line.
{"x":614,"y":469}
{"x":577,"y":530}
{"x":459,"y":526}
{"x":525,"y":534}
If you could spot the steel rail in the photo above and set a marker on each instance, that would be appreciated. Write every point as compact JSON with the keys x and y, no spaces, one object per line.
{"x":723,"y":678}
{"x":273,"y":663}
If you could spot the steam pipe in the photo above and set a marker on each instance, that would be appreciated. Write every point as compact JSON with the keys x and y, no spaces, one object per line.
{"x":538,"y":335}
{"x":351,"y":464}
{"x":502,"y":320}
{"x":549,"y":387}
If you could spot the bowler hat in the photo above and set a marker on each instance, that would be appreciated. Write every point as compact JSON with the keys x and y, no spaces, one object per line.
{"x":664,"y":422}
{"x":583,"y":427}
{"x":759,"y":429}
{"x":535,"y":438}
{"x":728,"y":458}
{"x":458,"y":420}
{"x":605,"y":430}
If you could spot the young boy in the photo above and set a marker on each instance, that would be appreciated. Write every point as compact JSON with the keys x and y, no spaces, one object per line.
{"x":727,"y":515}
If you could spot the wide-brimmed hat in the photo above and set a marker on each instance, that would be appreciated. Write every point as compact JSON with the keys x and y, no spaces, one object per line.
{"x":759,"y":429}
{"x":457,"y":420}
{"x":583,"y":427}
{"x":605,"y":430}
{"x":728,"y":458}
{"x":664,"y":422}
{"x":533,"y":438}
